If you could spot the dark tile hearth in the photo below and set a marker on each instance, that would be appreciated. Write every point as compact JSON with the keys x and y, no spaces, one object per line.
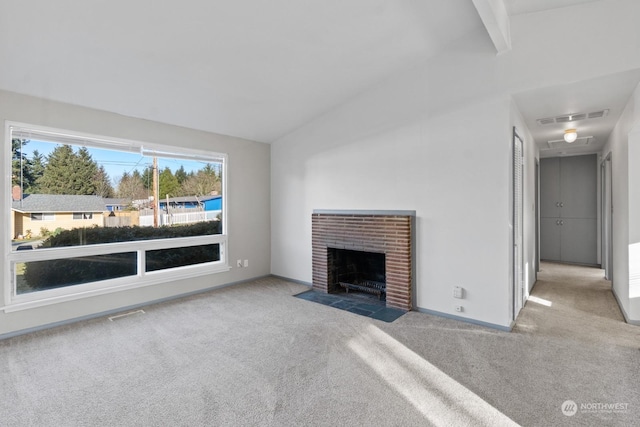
{"x":364,"y":305}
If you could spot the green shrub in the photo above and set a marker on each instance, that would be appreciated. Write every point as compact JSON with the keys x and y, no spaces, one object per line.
{"x":44,"y":232}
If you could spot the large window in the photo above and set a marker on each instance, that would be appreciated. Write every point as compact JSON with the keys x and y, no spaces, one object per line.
{"x":170,"y":221}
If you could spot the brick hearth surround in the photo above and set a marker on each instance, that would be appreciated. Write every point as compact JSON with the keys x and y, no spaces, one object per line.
{"x":390,"y":234}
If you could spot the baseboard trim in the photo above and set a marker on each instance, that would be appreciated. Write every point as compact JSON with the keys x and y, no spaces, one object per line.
{"x":427,"y":311}
{"x":624,"y":313}
{"x":288,"y":279}
{"x":122,"y":309}
{"x":466,"y":319}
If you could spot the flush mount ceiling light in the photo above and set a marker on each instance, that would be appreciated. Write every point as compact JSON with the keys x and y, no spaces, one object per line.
{"x":570,"y":135}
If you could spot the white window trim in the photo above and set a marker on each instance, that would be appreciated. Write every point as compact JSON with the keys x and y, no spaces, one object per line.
{"x":15,"y":302}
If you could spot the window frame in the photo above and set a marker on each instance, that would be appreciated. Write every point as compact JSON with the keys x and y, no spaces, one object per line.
{"x":16,"y":302}
{"x":44,"y":216}
{"x":81,"y":215}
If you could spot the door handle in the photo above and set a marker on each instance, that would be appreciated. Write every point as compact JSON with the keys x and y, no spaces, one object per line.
{"x":561,"y":205}
{"x":558,"y":222}
{"x":561,"y":222}
{"x":557,"y":204}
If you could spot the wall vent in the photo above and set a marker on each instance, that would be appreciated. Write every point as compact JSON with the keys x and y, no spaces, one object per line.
{"x":581,"y":141}
{"x":567,"y":118}
{"x":598,"y":114}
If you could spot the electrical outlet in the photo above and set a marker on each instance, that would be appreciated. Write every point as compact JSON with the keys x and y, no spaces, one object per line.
{"x":246,"y":263}
{"x":239,"y":263}
{"x":459,"y":308}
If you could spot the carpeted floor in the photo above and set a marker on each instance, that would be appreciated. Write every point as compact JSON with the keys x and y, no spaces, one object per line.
{"x":253,"y":354}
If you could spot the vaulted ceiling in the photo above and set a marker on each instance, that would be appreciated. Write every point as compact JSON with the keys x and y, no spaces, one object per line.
{"x":250,"y":68}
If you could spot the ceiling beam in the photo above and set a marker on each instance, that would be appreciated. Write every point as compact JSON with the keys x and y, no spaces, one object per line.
{"x":495,"y":18}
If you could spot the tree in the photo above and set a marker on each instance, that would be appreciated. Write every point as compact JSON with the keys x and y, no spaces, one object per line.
{"x":20,"y":165}
{"x":69,"y":173}
{"x":147,"y":177}
{"x":86,"y":171}
{"x":131,"y":187}
{"x":103,"y":183}
{"x":203,"y":183}
{"x":37,"y":170}
{"x":168,"y":184}
{"x":181,"y":175}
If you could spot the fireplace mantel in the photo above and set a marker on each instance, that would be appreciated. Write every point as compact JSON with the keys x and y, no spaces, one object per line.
{"x":363,"y":212}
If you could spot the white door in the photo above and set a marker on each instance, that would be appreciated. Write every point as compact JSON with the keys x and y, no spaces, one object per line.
{"x":607,"y":210}
{"x":518,"y":246}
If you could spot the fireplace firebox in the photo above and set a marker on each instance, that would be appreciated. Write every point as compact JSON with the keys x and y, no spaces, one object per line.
{"x":356,"y":271}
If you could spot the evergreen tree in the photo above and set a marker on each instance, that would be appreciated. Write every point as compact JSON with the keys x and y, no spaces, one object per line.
{"x":37,"y":170}
{"x":103,"y":183}
{"x":69,"y":173}
{"x":20,"y":165}
{"x":181,"y":175}
{"x":86,"y":173}
{"x":147,"y":177}
{"x":168,"y":184}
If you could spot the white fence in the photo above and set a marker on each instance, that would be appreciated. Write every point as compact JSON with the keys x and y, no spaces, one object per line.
{"x":179,"y":218}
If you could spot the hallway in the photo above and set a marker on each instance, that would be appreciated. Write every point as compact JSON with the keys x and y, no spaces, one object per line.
{"x":577,"y":303}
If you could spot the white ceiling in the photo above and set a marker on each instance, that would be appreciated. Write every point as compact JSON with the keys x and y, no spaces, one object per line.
{"x":257,"y":69}
{"x":611,"y":92}
{"x":249,"y":68}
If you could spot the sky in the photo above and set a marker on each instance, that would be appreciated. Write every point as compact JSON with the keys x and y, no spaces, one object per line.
{"x":117,"y":162}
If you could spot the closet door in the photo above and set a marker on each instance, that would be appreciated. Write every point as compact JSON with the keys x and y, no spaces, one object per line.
{"x":550,"y":188}
{"x":578,"y":186}
{"x":568,"y":209}
{"x":550,"y":209}
{"x":550,"y":239}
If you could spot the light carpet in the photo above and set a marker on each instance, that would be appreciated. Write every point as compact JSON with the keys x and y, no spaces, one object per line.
{"x":252,"y":354}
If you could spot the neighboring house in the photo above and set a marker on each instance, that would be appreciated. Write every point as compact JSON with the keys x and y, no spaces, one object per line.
{"x":51,"y":211}
{"x":114,"y":205}
{"x":185,"y":210}
{"x":207,"y":203}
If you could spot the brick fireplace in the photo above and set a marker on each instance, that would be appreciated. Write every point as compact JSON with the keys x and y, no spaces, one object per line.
{"x":378,"y":232}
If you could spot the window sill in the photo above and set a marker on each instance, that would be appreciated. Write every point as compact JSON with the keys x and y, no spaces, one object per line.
{"x":53,"y":296}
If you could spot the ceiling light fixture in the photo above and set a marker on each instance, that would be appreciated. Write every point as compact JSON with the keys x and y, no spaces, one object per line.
{"x":570,"y":135}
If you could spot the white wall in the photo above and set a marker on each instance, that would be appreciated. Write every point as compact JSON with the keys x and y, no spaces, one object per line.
{"x":624,"y":146}
{"x":453,"y":173}
{"x":248,"y":201}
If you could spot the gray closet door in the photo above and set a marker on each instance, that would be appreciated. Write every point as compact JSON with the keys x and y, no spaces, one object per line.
{"x":578,"y":187}
{"x":568,"y":209}
{"x":549,"y":239}
{"x":550,"y":188}
{"x":579,"y":241}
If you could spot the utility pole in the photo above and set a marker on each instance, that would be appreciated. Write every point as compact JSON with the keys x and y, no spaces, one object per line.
{"x":156,"y":200}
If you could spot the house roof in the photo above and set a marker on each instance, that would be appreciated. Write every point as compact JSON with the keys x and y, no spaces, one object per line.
{"x":112,"y":201}
{"x":59,"y":203}
{"x":185,"y":199}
